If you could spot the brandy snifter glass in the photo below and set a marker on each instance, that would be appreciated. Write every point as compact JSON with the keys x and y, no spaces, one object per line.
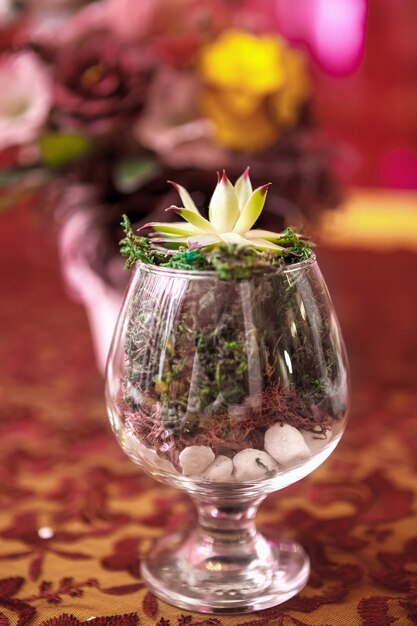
{"x":229,"y":390}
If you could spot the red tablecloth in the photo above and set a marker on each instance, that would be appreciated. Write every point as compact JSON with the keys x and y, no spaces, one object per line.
{"x":76,"y":516}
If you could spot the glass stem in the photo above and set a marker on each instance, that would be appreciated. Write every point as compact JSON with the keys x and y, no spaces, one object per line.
{"x":226,"y":547}
{"x":223,"y":563}
{"x":228,"y":522}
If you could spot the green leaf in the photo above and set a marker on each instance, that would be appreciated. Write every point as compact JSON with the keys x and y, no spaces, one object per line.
{"x":11,"y":177}
{"x":172,"y":228}
{"x":58,"y":149}
{"x":187,"y":200}
{"x":194,"y":218}
{"x":264,"y":244}
{"x":252,"y":210}
{"x":170,"y":243}
{"x":259,"y":233}
{"x":131,"y":174}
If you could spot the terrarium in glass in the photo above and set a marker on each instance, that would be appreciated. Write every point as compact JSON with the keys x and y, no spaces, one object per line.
{"x":227,"y":379}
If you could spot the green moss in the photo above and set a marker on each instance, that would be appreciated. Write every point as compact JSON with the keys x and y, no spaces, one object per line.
{"x":231,"y":262}
{"x":188,"y":260}
{"x":136,"y":248}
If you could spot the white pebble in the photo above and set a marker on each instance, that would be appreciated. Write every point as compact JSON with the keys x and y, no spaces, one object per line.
{"x":194,"y":460}
{"x":163,"y":464}
{"x":316,"y":441}
{"x":250,"y":464}
{"x":139,"y":452}
{"x":220,"y":470}
{"x":286,"y":444}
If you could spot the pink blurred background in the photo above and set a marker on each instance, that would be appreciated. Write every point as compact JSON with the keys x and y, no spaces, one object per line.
{"x":365,"y":60}
{"x":364,"y":63}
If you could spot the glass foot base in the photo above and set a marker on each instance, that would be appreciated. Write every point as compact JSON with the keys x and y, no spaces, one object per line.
{"x":206,"y":583}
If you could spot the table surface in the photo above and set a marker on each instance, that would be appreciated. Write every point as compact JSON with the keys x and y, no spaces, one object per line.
{"x":76,"y":515}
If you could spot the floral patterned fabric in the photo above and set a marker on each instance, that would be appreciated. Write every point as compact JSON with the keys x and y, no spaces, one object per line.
{"x":76,"y":516}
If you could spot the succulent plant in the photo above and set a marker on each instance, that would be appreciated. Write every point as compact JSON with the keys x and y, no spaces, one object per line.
{"x":233,"y":210}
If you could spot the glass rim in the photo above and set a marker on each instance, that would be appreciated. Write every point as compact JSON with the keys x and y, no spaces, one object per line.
{"x":181,"y":273}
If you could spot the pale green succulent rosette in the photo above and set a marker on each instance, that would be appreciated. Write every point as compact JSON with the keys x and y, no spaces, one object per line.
{"x":225,"y":241}
{"x":233,"y":210}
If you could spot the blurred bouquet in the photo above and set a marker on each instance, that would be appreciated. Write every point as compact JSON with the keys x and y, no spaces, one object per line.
{"x":103,"y":107}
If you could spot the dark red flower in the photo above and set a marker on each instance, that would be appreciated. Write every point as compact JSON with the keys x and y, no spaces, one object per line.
{"x":150,"y":605}
{"x":8,"y":588}
{"x":125,"y":557}
{"x":99,"y":82}
{"x":39,"y":541}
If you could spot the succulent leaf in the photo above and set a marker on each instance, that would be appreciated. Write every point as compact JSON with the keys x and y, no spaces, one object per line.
{"x":264,"y":244}
{"x":171,"y":228}
{"x":236,"y":239}
{"x":259,"y":233}
{"x":233,"y":210}
{"x":194,"y":218}
{"x":186,"y":198}
{"x":201,"y":241}
{"x":224,"y":206}
{"x":170,"y":240}
{"x":243,"y":189}
{"x":252,"y":210}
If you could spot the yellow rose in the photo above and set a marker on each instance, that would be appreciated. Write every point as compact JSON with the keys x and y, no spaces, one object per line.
{"x":247,"y":132}
{"x":252,"y":87}
{"x":239,"y":60}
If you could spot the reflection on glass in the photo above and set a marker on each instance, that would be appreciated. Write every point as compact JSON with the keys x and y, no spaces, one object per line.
{"x":228,"y":390}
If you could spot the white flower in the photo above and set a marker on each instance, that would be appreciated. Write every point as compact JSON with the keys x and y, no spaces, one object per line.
{"x":233,"y":210}
{"x":7,"y":11}
{"x":25,"y":98}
